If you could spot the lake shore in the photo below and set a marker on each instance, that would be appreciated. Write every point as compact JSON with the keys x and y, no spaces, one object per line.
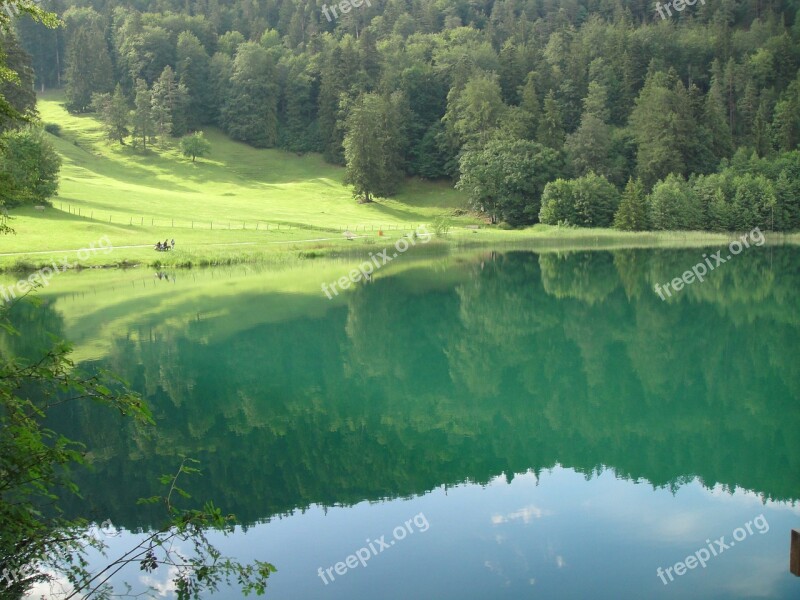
{"x":229,"y":247}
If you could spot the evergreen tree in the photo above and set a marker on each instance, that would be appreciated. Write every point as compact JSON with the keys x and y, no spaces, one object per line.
{"x":250,"y":113}
{"x":653,"y":125}
{"x":373,"y":145}
{"x":89,"y":68}
{"x":551,"y":127}
{"x":633,"y":212}
{"x":474,"y":112}
{"x":143,"y":126}
{"x":114,"y":113}
{"x":716,"y":123}
{"x":169,"y":102}
{"x":192,"y":70}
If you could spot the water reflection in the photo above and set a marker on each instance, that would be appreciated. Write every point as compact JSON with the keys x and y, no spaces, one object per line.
{"x":504,"y":363}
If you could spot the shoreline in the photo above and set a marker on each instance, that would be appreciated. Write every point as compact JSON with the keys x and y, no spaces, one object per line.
{"x":537,"y":238}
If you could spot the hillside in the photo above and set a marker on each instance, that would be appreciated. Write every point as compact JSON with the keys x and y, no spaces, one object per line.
{"x":238,"y":194}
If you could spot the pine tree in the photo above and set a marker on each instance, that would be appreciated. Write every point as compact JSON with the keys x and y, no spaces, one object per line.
{"x":89,"y":68}
{"x":114,"y":113}
{"x":632,"y":214}
{"x":716,"y":122}
{"x":142,"y":114}
{"x":192,"y":71}
{"x":170,"y":103}
{"x":373,"y":145}
{"x":163,"y":98}
{"x":551,"y":127}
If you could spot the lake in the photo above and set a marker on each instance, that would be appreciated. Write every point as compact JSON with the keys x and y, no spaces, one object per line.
{"x":492,"y":424}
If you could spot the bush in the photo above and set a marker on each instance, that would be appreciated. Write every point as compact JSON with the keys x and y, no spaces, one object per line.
{"x":674,"y":206}
{"x":441,"y":226}
{"x":596,"y":201}
{"x":589,"y":201}
{"x":53,"y":129}
{"x":557,"y":203}
{"x":28,"y":167}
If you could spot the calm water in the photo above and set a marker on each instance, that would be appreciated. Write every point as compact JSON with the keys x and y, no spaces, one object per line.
{"x":546,"y":426}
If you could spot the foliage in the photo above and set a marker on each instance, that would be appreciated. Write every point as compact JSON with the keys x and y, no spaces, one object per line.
{"x":589,"y":201}
{"x":29,"y":167}
{"x":250,"y":110}
{"x":374,"y":145}
{"x":617,"y":90}
{"x":633,"y":212}
{"x":114,"y":113}
{"x":17,"y":98}
{"x":53,"y":129}
{"x":441,"y":226}
{"x":89,"y":69}
{"x":505,"y":178}
{"x":195,"y":145}
{"x":36,"y":475}
{"x":142,"y":115}
{"x":674,"y":205}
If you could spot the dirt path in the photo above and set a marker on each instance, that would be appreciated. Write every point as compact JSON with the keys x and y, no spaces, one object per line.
{"x":189,"y":246}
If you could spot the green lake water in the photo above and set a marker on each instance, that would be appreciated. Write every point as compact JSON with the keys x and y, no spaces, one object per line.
{"x":554,"y":427}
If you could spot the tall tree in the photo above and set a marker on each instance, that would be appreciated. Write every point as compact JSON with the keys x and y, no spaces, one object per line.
{"x":169,"y":101}
{"x":114,"y":113}
{"x":505,"y":178}
{"x":29,"y":165}
{"x":633,"y":212}
{"x":551,"y":125}
{"x":251,"y":110}
{"x":374,"y":144}
{"x":17,"y":90}
{"x":192,"y":70}
{"x":653,"y":125}
{"x":474,"y":112}
{"x":89,"y":68}
{"x":143,"y":126}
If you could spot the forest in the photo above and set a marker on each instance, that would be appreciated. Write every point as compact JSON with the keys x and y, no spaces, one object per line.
{"x":577,"y":113}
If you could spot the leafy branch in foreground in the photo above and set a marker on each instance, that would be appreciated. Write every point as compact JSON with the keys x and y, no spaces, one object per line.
{"x":38,"y":543}
{"x":201,"y":571}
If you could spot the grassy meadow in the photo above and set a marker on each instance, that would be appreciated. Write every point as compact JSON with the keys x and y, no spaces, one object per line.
{"x":241,"y":204}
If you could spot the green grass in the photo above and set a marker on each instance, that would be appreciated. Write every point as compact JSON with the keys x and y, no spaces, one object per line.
{"x":240,"y":205}
{"x":236,"y":194}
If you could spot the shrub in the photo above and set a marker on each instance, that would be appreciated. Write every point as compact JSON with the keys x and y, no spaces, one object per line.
{"x":53,"y":129}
